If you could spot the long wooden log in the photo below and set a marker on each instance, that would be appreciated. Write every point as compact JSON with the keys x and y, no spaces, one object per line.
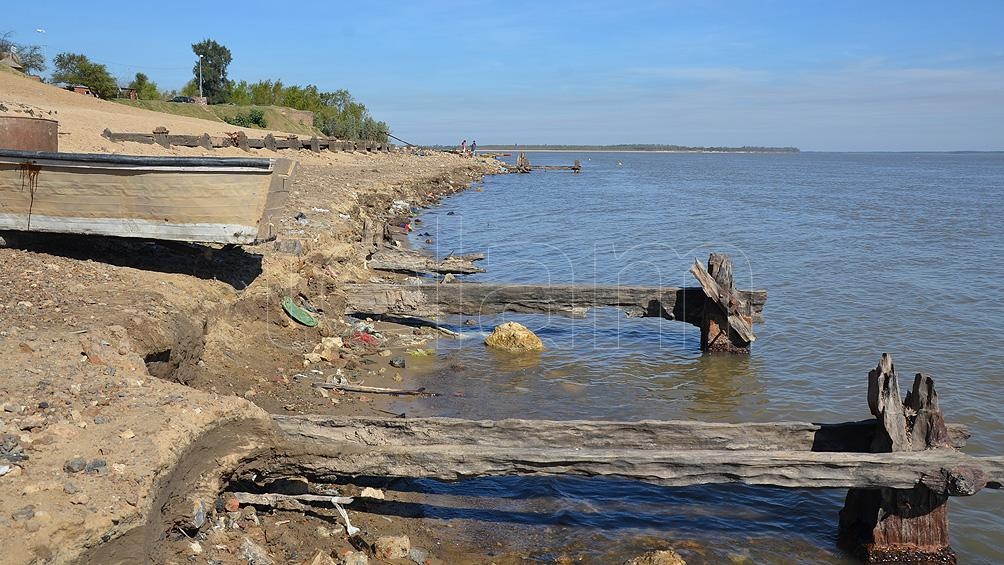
{"x":593,"y":434}
{"x":414,"y":262}
{"x":672,"y":303}
{"x":795,"y":469}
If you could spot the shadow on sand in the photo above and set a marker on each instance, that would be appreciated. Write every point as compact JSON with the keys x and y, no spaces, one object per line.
{"x":229,"y":264}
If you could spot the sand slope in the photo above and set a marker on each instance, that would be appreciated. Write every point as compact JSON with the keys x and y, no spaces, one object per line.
{"x":83,"y":118}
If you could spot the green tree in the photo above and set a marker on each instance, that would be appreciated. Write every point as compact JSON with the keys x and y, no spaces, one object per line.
{"x":145,"y":90}
{"x":215,"y":60}
{"x":74,"y":69}
{"x":191,"y":88}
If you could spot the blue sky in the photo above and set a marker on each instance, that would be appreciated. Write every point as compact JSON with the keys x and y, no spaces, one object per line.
{"x":843,"y":76}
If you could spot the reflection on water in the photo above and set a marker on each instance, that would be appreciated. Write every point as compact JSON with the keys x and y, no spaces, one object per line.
{"x":860,"y":253}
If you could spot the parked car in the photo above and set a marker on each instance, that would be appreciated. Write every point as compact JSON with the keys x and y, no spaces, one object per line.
{"x":183,"y":99}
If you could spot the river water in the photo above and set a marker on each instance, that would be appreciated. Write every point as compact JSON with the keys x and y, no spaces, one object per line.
{"x":861,"y":254}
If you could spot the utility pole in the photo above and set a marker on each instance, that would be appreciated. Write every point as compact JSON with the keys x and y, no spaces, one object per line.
{"x":200,"y":76}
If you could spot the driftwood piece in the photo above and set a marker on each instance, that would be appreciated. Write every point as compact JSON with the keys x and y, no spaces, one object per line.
{"x":288,"y":501}
{"x":349,"y":387}
{"x":797,"y":469}
{"x":591,"y":434}
{"x":671,"y":303}
{"x":403,"y":261}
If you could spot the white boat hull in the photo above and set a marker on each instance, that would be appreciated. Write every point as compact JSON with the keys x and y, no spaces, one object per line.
{"x":180,"y":199}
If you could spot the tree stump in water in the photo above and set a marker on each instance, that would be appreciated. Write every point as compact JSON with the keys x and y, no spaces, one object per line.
{"x":727,"y":319}
{"x":904,"y":525}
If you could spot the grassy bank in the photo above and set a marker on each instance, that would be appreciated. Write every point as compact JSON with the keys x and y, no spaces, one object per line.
{"x":274,"y":117}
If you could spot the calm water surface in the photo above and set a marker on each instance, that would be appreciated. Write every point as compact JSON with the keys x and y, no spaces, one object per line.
{"x":861,"y":254}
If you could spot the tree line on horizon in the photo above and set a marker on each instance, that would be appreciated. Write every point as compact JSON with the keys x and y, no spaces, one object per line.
{"x":336,"y":114}
{"x":646,"y":147}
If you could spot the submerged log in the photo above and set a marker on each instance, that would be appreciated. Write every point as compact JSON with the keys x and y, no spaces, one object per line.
{"x":671,"y":303}
{"x":798,"y":469}
{"x":403,"y":261}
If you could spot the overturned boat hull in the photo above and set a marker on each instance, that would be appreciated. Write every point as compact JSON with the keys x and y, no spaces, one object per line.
{"x":197,"y":199}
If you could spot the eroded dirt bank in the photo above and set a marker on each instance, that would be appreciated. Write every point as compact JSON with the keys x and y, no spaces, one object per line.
{"x":136,"y":374}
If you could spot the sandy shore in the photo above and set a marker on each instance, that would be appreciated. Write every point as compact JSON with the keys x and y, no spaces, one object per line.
{"x":154,"y":366}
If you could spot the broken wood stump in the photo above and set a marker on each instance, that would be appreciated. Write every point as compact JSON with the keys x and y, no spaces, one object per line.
{"x":896,"y":525}
{"x":726,"y":325}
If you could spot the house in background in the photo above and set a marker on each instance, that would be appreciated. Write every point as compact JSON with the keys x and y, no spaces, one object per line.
{"x":126,"y":92}
{"x":81,"y":89}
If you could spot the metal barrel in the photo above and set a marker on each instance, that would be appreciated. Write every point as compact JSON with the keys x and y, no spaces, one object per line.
{"x":29,"y":134}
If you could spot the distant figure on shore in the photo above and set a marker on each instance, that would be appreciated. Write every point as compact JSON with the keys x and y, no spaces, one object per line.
{"x":474,"y":147}
{"x":463,"y":147}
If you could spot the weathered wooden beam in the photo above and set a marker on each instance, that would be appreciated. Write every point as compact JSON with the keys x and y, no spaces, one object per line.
{"x":184,"y":140}
{"x":795,"y":469}
{"x":592,"y":434}
{"x":146,"y":138}
{"x":672,"y":303}
{"x":402,"y":261}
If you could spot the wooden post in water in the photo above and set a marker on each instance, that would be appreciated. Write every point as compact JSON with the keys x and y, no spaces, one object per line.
{"x":727,"y":319}
{"x":889,"y":525}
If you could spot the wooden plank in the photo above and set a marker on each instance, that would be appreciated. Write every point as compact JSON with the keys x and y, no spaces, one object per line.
{"x":671,"y":303}
{"x":402,"y":261}
{"x":146,"y":138}
{"x":731,"y":306}
{"x":184,"y":140}
{"x":794,"y":469}
{"x":591,"y":434}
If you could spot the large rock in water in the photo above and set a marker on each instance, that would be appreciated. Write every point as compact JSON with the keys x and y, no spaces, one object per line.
{"x":662,"y":557}
{"x":511,"y":336}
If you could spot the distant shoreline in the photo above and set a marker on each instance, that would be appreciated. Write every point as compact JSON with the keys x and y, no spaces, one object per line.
{"x":642,"y":148}
{"x":533,"y":150}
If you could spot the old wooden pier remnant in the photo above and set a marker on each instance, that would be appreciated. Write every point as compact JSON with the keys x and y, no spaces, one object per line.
{"x":895,"y":512}
{"x":724,"y":314}
{"x":523,"y":165}
{"x":161,"y":136}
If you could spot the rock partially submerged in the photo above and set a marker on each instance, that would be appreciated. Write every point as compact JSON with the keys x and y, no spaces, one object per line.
{"x":511,"y":336}
{"x":661,"y":557}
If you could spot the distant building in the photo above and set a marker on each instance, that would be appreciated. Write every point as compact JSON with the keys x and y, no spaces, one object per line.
{"x":126,"y":92}
{"x":81,"y":89}
{"x":12,"y":60}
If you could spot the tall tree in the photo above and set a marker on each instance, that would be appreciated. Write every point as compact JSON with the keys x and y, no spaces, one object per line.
{"x":145,"y":90}
{"x":215,"y":60}
{"x":74,"y":68}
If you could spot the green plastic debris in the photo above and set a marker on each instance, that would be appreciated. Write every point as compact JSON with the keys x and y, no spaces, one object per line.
{"x":422,"y":352}
{"x":297,"y":313}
